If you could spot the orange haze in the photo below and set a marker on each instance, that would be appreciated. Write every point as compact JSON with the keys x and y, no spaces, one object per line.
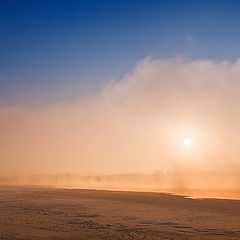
{"x":136,"y":124}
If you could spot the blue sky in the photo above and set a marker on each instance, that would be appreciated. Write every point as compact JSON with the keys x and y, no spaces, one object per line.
{"x":55,"y":51}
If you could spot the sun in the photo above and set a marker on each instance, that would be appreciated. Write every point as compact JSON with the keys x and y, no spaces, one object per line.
{"x":187,"y":141}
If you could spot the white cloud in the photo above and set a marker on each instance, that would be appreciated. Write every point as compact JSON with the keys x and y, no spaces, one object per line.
{"x":135,"y":124}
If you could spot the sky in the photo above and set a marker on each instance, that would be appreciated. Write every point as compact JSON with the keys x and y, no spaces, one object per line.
{"x":54,"y":51}
{"x":112,"y":87}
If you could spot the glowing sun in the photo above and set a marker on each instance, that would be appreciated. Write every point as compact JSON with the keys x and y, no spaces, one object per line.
{"x":187,"y":141}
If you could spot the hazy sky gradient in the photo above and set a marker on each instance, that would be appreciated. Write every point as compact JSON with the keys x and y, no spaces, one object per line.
{"x":95,"y":87}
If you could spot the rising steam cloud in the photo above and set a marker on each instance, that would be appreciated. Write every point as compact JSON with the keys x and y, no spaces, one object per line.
{"x":136,"y":124}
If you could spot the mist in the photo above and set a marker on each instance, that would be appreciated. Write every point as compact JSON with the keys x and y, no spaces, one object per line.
{"x":136,"y":124}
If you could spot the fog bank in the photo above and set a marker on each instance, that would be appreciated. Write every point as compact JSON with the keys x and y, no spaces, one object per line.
{"x":135,"y":124}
